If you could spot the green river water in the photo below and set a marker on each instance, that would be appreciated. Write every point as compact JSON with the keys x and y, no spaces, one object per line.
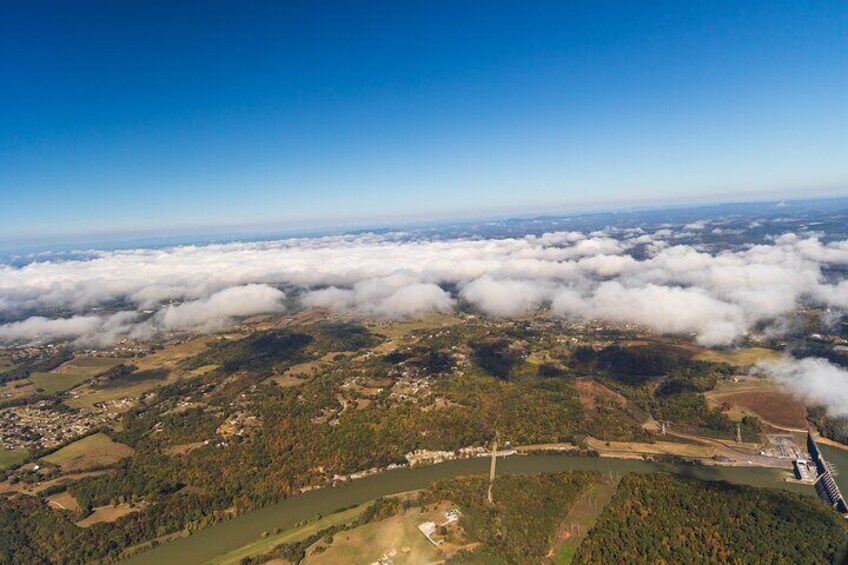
{"x":232,"y":534}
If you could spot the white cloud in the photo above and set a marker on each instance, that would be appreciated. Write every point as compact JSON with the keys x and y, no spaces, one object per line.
{"x":672,"y":288}
{"x":505,"y":298}
{"x":816,"y":380}
{"x":215,"y":311}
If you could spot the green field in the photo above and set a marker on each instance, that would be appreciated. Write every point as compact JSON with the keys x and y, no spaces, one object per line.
{"x":132,"y":385}
{"x":9,"y":457}
{"x":266,"y":544}
{"x":742,"y":357}
{"x":92,"y":451}
{"x":70,"y":374}
{"x":51,"y":383}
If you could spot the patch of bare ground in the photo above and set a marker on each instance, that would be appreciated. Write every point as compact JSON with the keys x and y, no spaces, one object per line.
{"x":770,"y":404}
{"x":591,"y":391}
{"x":832,"y":443}
{"x":287,"y":381}
{"x":634,"y":449}
{"x":183,"y":448}
{"x":63,"y":501}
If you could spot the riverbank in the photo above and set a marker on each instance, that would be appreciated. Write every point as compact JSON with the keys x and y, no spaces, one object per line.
{"x":237,"y":532}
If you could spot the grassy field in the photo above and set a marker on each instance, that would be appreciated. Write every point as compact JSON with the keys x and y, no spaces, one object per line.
{"x":10,"y":457}
{"x":266,"y":544}
{"x":65,"y":377}
{"x":397,"y":537}
{"x":397,"y":329}
{"x":63,"y":501}
{"x":155,"y":369}
{"x":128,"y":386}
{"x":92,"y":365}
{"x":107,"y":514}
{"x":16,"y":389}
{"x":739,"y":357}
{"x":50,"y":383}
{"x":92,"y":451}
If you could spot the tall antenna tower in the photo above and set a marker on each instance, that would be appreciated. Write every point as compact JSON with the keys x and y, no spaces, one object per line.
{"x":492,"y":469}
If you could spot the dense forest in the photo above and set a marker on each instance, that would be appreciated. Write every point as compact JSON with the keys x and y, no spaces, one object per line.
{"x":661,"y":518}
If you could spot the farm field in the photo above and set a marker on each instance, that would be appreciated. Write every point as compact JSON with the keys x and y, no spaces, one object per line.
{"x":107,"y":514}
{"x":9,"y":457}
{"x":16,"y":389}
{"x":92,"y":365}
{"x":51,"y":383}
{"x":396,"y":330}
{"x":128,"y":386}
{"x":153,"y":370}
{"x":739,"y":357}
{"x":65,"y":377}
{"x":92,"y":451}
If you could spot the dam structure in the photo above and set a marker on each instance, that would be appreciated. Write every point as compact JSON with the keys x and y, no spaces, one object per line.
{"x":826,"y":486}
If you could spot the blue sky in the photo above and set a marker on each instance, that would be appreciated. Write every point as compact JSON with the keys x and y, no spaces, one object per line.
{"x":143,"y":116}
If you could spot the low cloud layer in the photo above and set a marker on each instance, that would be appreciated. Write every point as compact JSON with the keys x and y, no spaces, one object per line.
{"x":636,"y":277}
{"x":817,"y":381}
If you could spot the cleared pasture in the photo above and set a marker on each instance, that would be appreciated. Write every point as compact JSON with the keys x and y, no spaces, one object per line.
{"x":9,"y":457}
{"x":107,"y":514}
{"x":63,"y":501}
{"x":742,"y":357}
{"x":51,"y":383}
{"x":127,"y":386}
{"x":93,"y":451}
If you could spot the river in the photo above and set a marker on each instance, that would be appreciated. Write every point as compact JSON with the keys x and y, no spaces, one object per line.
{"x":232,"y":534}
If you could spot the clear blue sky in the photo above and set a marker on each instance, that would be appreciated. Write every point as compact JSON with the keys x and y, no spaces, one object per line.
{"x":134,"y":116}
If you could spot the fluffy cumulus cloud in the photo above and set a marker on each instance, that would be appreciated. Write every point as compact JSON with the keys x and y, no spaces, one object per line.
{"x":816,"y":380}
{"x":217,"y":310}
{"x":629,"y":277}
{"x":508,"y":297}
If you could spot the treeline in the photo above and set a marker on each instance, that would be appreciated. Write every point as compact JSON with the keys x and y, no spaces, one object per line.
{"x":30,"y":532}
{"x":660,"y":518}
{"x":835,"y":428}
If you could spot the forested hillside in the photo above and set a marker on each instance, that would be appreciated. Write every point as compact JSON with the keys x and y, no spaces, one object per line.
{"x":661,"y":518}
